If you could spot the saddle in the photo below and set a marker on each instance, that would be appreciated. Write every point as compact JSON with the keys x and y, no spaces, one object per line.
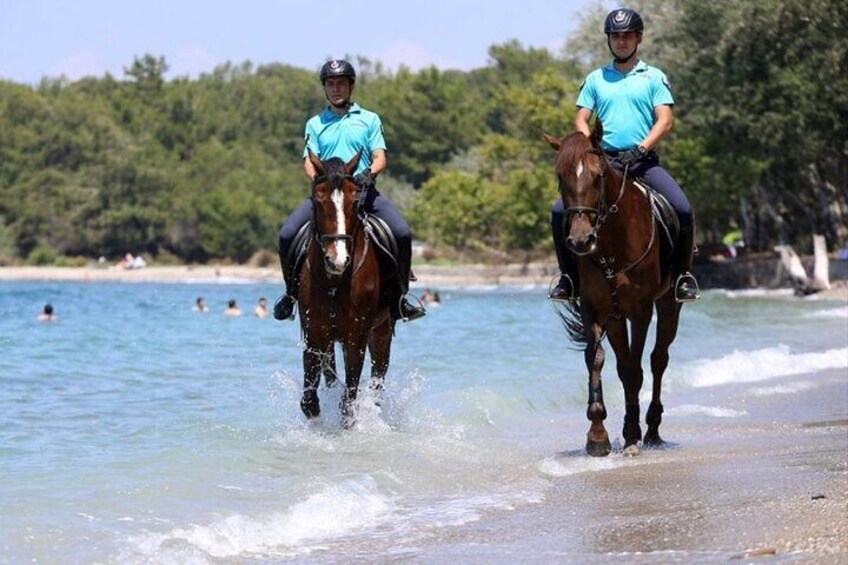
{"x":668,"y":225}
{"x":376,"y":230}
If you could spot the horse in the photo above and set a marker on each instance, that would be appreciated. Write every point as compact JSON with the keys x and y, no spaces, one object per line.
{"x":342,"y":294}
{"x":623,"y":273}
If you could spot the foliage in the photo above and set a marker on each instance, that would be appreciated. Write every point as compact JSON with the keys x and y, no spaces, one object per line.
{"x":207,"y":168}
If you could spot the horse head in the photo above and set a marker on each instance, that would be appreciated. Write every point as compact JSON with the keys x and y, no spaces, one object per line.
{"x":581,"y":173}
{"x":334,"y":196}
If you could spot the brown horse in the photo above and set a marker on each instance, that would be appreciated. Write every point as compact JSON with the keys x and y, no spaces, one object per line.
{"x":612,"y":232}
{"x":342,"y":296}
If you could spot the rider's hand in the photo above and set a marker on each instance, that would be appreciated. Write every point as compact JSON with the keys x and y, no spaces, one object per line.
{"x":632,"y":156}
{"x":365,"y":180}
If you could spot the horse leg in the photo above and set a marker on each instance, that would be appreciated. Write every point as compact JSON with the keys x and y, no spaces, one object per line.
{"x":354,"y":358}
{"x":618,"y":337}
{"x":380,"y":346}
{"x":632,"y":431}
{"x":328,"y":367}
{"x":597,"y":439}
{"x":668,"y":317}
{"x":312,"y":362}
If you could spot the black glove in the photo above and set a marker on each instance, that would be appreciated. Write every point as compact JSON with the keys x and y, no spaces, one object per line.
{"x":365,"y":181}
{"x":632,"y":156}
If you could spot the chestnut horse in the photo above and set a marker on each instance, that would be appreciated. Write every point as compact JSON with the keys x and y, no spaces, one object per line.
{"x":614,"y":236}
{"x":342,"y":296}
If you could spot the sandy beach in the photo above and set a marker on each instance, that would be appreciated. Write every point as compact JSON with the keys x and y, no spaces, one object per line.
{"x":429,"y":276}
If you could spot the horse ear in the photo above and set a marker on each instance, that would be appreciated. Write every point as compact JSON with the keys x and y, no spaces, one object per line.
{"x":554,"y":142}
{"x":316,"y":162}
{"x":597,"y":133}
{"x":351,"y":165}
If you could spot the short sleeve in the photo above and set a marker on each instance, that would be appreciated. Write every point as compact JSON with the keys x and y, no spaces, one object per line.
{"x":662,"y":95}
{"x":586,"y":97}
{"x":310,"y":140}
{"x":376,"y":140}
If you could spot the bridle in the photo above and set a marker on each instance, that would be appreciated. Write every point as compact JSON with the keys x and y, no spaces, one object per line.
{"x":601,"y":211}
{"x":326,"y":238}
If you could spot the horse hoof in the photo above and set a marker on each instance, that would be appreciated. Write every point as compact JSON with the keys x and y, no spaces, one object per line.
{"x":310,"y":408}
{"x":631,"y":450}
{"x":598,"y":448}
{"x":653,"y":441}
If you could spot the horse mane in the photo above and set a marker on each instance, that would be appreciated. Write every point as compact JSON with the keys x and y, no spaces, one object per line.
{"x":571,"y":150}
{"x":334,"y":170}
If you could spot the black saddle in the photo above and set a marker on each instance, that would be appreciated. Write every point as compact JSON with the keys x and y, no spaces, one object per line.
{"x":376,"y":230}
{"x":668,"y":224}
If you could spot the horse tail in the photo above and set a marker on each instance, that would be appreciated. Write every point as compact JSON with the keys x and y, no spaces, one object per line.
{"x":572,"y":321}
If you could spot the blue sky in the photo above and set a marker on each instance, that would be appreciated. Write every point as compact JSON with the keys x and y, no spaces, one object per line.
{"x":89,"y":37}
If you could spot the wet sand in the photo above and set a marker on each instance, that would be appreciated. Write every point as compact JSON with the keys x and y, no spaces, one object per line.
{"x":770,"y":489}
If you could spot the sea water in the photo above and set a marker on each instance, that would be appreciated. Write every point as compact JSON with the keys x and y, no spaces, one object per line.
{"x":135,"y":430}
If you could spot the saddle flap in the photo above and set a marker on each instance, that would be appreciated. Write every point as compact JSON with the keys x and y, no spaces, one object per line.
{"x":297,"y":249}
{"x":380,"y":233}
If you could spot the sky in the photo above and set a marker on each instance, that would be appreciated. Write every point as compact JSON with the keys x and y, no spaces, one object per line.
{"x":80,"y":38}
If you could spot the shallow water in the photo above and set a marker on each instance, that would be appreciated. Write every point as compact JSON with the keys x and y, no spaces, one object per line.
{"x":136,"y":430}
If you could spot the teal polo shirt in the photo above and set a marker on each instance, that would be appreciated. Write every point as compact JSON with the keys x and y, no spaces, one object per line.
{"x":625,"y":102}
{"x":329,"y":135}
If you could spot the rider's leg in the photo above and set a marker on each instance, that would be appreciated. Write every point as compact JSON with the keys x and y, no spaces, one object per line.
{"x":401,"y":308}
{"x":566,"y":288}
{"x":685,"y":285}
{"x":284,"y":306}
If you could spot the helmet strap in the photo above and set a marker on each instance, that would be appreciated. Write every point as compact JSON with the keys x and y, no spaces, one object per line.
{"x":618,"y":59}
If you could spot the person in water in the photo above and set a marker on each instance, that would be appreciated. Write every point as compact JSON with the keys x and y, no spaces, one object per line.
{"x":47,"y":314}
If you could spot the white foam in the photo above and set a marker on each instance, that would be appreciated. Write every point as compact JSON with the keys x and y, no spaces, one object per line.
{"x":759,"y":292}
{"x":829,"y":313}
{"x":790,"y":388}
{"x":337,"y":510}
{"x":565,"y":466}
{"x":713,"y":411}
{"x":764,"y":364}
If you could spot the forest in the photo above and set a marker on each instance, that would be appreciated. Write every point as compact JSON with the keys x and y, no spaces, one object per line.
{"x":207,"y":168}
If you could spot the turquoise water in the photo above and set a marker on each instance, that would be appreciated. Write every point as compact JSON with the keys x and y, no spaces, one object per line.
{"x":136,"y":430}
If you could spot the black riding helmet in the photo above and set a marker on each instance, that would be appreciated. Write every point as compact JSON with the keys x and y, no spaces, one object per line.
{"x":623,"y":19}
{"x":338,"y":68}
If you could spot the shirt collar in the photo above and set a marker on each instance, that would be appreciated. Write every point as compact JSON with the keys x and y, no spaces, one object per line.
{"x":354,"y":109}
{"x":641,"y":66}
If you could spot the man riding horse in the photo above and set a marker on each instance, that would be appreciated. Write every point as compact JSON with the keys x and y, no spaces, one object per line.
{"x":634,"y":103}
{"x":345,"y":129}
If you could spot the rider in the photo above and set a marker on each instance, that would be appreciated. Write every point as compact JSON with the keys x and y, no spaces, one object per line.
{"x":634,"y":103}
{"x":342,"y":130}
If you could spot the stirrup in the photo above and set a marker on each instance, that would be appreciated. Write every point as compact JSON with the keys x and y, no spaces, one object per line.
{"x":564,"y":289}
{"x":683,"y":279}
{"x":409,"y":313}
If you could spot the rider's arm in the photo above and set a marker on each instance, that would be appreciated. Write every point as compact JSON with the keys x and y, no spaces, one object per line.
{"x":309,"y":169}
{"x":379,"y":162}
{"x":581,"y":121}
{"x":665,"y":118}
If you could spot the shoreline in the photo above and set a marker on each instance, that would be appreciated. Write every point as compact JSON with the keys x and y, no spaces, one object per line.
{"x":432,"y":276}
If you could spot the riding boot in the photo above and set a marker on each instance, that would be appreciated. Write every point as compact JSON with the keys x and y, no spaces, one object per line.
{"x":566,"y":288}
{"x":686,"y":286}
{"x":284,"y":306}
{"x":400,"y":308}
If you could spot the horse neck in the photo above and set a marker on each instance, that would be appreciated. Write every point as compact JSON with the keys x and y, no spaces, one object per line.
{"x":632,"y":204}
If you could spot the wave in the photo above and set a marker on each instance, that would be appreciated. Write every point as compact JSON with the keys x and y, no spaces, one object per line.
{"x":841,"y":313}
{"x":764,"y":364}
{"x":337,"y":510}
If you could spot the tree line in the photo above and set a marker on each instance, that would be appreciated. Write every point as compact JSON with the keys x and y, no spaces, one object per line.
{"x":190,"y":170}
